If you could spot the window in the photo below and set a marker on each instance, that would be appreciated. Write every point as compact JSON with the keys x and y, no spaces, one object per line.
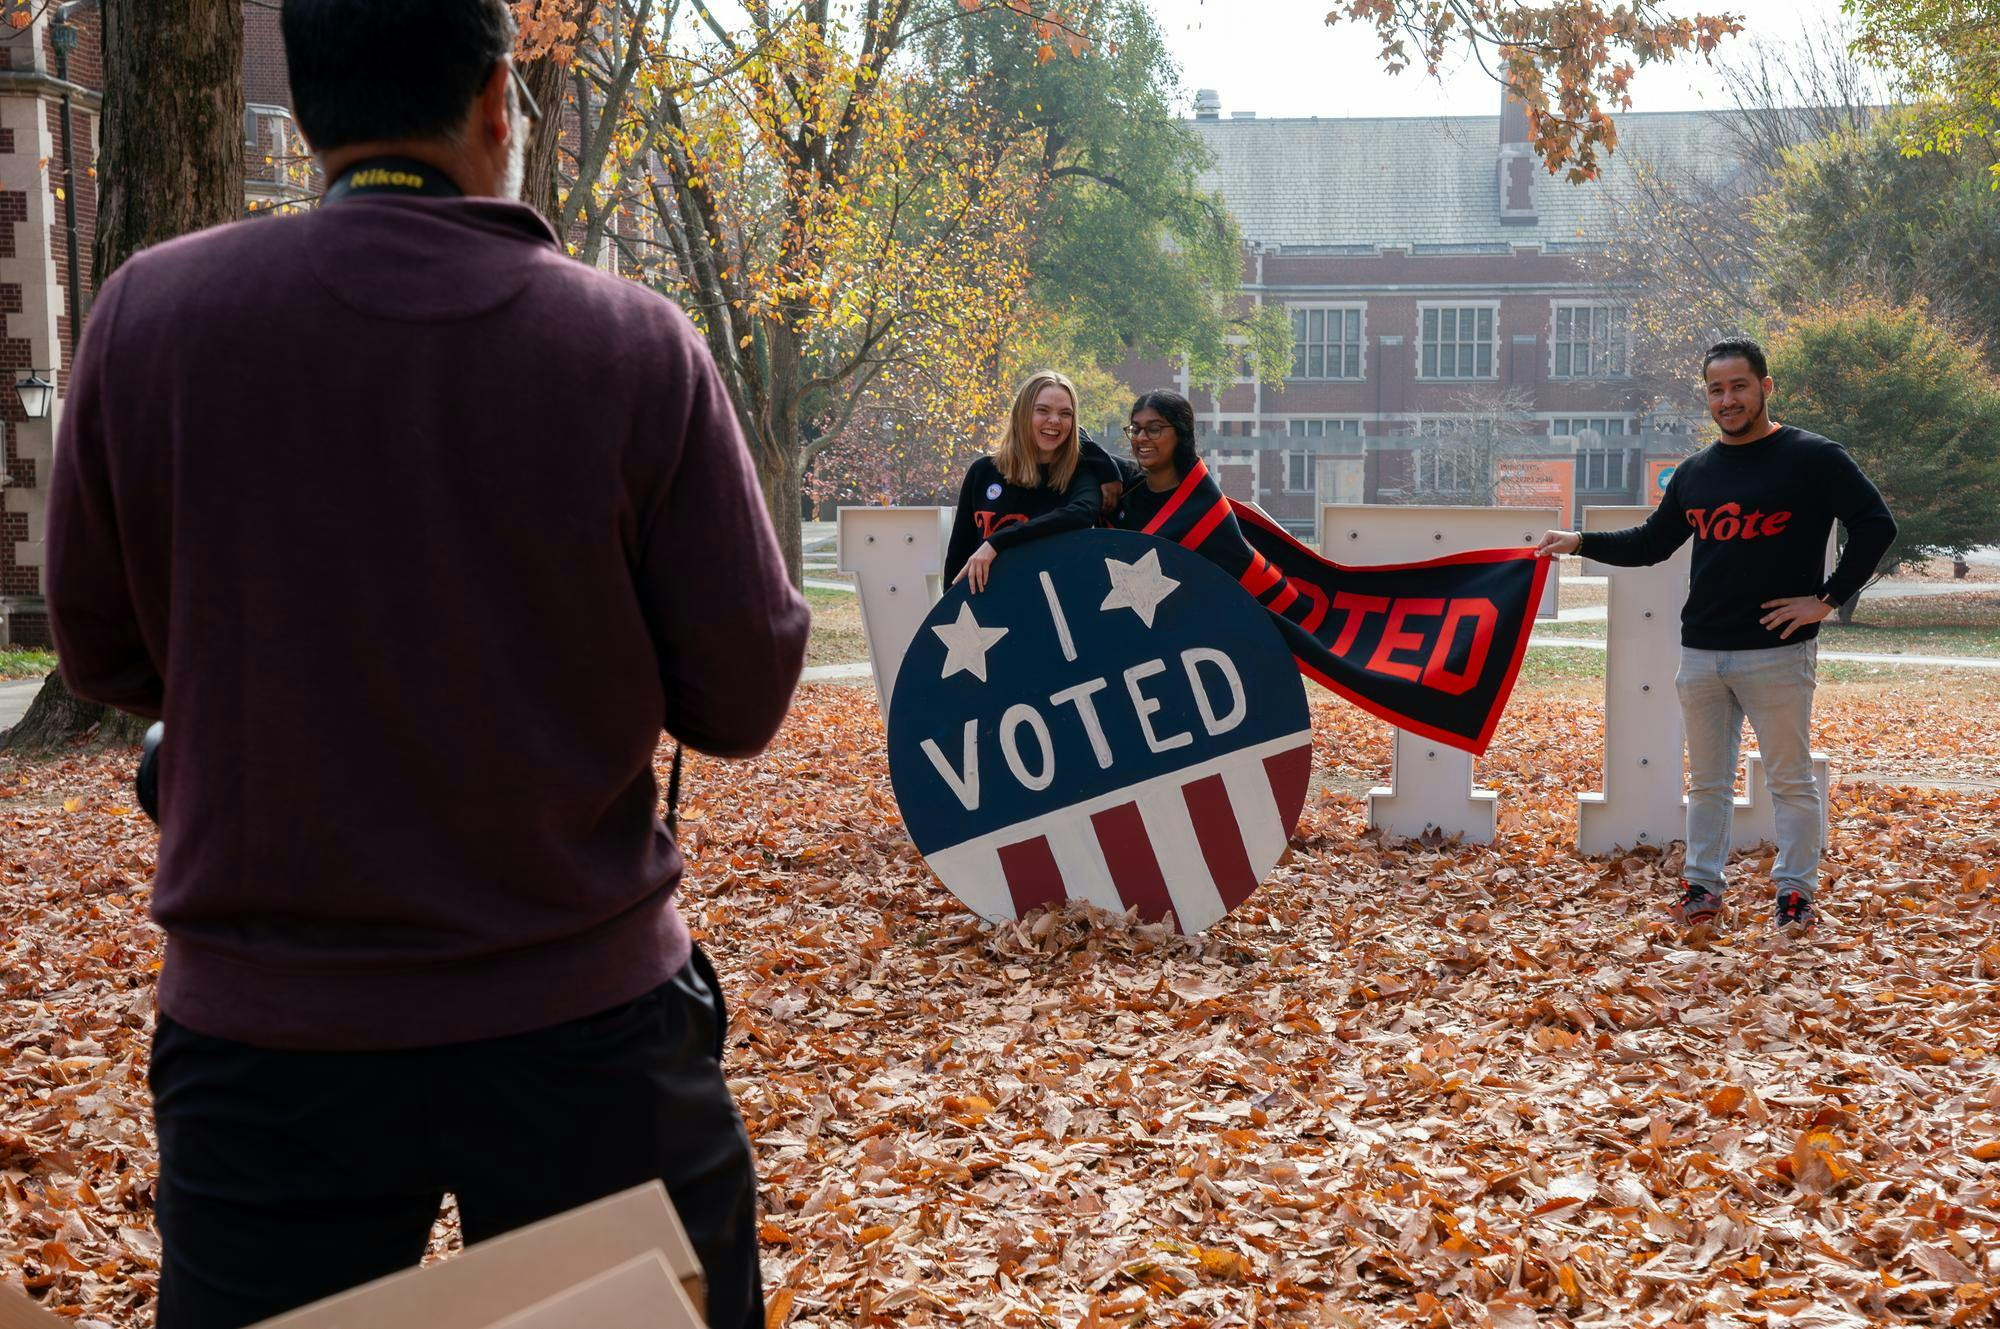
{"x":1589,"y":341}
{"x":1458,"y":343}
{"x":1441,"y":469}
{"x":1299,"y":471}
{"x":1326,"y":343}
{"x":1456,"y":456}
{"x":1323,"y":428}
{"x":1598,"y":465}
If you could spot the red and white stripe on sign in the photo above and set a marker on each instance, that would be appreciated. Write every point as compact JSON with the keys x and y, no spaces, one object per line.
{"x":1195,"y":843}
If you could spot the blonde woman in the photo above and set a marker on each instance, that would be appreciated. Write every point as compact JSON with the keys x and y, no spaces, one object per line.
{"x":1038,"y":482}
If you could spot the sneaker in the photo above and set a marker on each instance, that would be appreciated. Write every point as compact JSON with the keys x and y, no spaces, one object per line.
{"x":1698,"y":904}
{"x":1795,"y":910}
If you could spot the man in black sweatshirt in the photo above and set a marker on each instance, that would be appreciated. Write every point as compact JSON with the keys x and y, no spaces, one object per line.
{"x":1760,"y":502}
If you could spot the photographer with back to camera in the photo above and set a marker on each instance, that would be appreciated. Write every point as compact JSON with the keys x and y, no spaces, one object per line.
{"x":415,"y":619}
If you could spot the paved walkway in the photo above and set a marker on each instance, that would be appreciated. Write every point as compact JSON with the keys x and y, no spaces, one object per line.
{"x":14,"y":699}
{"x":1852,"y":657}
{"x":840,"y":673}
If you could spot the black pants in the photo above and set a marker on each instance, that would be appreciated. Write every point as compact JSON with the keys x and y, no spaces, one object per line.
{"x":288,"y":1176}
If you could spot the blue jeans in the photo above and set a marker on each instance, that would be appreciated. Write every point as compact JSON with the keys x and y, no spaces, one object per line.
{"x":1773,"y":687}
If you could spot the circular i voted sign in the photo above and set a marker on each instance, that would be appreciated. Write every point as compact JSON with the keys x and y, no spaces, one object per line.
{"x":1113,"y":719}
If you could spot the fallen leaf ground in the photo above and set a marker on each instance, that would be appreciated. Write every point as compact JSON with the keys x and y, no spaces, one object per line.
{"x":1432,"y":1085}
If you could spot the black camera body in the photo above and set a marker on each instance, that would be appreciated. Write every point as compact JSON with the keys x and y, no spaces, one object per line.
{"x":148,"y":781}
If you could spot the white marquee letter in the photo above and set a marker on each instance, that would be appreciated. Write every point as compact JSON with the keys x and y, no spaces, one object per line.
{"x":966,"y":783}
{"x":1010,"y":728}
{"x":1145,"y":706}
{"x":1086,"y":710}
{"x":1237,"y":707}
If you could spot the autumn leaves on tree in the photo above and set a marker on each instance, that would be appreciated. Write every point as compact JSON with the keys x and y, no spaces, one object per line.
{"x":873,"y":209}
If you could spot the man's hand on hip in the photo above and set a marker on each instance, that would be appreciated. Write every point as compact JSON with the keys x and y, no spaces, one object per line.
{"x":1794,"y":612}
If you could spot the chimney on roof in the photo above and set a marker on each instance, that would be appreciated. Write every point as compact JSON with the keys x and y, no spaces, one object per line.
{"x":1242,"y":115}
{"x":1208,"y":104}
{"x":1516,"y":175}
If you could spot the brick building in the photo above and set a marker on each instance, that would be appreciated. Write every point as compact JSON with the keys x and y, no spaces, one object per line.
{"x":1440,"y":312}
{"x":35,"y":248}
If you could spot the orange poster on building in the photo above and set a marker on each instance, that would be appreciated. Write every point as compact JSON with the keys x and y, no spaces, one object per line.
{"x":1538,"y":482}
{"x":1657,"y":475}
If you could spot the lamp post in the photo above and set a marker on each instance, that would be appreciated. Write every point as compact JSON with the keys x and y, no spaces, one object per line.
{"x":63,"y":37}
{"x":36,"y":393}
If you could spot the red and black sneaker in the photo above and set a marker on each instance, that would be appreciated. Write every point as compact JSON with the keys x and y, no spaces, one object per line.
{"x":1795,"y":911}
{"x":1698,"y":904}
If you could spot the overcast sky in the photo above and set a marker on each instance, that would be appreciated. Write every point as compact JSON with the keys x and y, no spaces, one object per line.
{"x":1279,"y":58}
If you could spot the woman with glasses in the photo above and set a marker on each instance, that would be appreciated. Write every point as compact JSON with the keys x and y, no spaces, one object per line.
{"x":1037,"y":483}
{"x":1161,"y":434}
{"x":1175,"y":498}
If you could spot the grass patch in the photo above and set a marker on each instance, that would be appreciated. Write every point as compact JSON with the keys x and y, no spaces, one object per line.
{"x":1573,"y":594}
{"x":1932,"y":640}
{"x":836,"y":628}
{"x":1556,"y":666}
{"x":1970,"y":607}
{"x":25,"y":662}
{"x":1933,"y":625}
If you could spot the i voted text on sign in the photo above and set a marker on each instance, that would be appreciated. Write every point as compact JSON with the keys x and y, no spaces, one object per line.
{"x":1112,"y":720}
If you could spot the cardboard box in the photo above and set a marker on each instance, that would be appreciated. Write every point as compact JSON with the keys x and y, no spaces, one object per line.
{"x":640,"y":1292}
{"x":625,"y":1251}
{"x":19,"y":1311}
{"x":489,"y":1281}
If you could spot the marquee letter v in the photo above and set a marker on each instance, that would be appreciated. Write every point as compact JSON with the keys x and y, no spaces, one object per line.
{"x":963,"y":782}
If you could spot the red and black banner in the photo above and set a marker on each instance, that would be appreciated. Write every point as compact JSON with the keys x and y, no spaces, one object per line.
{"x":1431,"y":647}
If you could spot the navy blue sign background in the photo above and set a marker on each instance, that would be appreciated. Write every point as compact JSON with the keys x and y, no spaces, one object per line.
{"x":939,"y":688}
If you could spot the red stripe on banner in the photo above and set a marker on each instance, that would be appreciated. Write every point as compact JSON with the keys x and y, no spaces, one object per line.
{"x":1033,"y":878}
{"x":1320,"y":605}
{"x":1135,"y":869}
{"x":1210,"y":520}
{"x":1221,"y":837}
{"x":1262,"y":576}
{"x":1188,"y":485}
{"x":1250,"y":517}
{"x":1290,"y":774}
{"x":1477,"y":747}
{"x":1283,"y":599}
{"x":1542,"y":569}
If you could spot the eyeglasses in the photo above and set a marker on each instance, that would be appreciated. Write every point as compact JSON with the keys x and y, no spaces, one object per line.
{"x":529,"y":106}
{"x":1158,"y":429}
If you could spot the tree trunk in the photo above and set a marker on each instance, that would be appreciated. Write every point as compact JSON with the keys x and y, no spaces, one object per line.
{"x":171,"y":161}
{"x":58,"y":718}
{"x":1847,"y":607}
{"x":782,"y":477}
{"x":546,"y":76}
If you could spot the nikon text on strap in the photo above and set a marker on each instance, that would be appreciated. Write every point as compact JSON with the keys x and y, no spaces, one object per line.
{"x":392,"y":175}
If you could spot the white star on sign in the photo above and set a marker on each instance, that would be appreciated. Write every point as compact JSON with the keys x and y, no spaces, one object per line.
{"x":966,"y":644}
{"x":1139,"y":586}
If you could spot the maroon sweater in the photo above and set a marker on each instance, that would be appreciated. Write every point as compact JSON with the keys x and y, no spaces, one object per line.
{"x":416,"y":532}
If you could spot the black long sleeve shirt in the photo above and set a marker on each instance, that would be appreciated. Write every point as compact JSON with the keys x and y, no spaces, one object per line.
{"x":993,"y":511}
{"x":1760,"y":514}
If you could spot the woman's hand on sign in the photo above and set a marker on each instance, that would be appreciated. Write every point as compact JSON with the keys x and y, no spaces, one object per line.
{"x":1557,"y":543}
{"x":978,"y":568}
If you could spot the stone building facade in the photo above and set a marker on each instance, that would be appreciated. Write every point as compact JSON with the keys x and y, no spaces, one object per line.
{"x":35,"y":245}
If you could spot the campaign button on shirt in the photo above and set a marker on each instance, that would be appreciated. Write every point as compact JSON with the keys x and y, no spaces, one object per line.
{"x":1111,"y":720}
{"x":993,"y":491}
